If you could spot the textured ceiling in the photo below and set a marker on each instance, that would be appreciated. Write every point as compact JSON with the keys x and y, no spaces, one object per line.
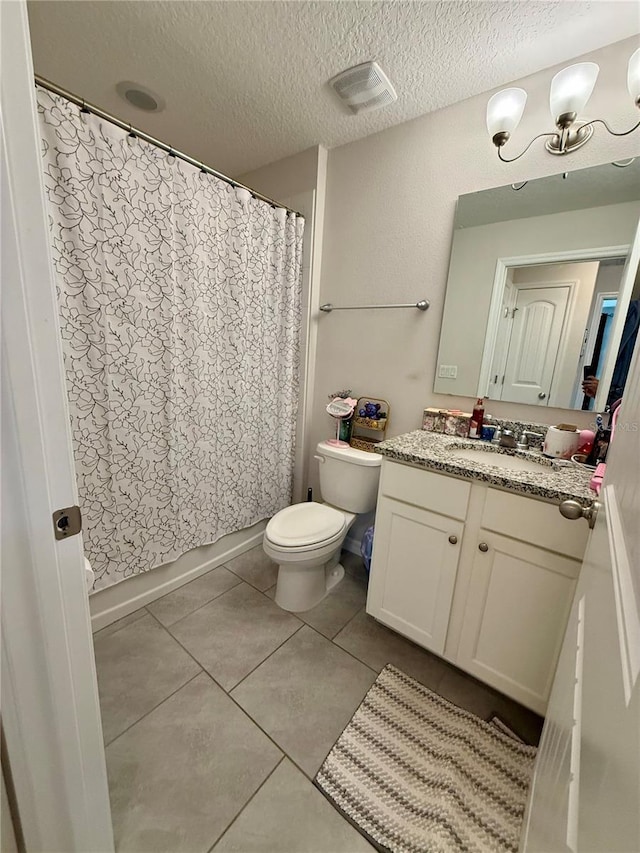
{"x":245,"y":82}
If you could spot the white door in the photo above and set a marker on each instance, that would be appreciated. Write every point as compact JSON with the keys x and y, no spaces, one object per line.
{"x":50,"y":711}
{"x":536,"y":330}
{"x":586,"y":788}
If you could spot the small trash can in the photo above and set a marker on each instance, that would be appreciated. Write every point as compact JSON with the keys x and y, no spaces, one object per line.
{"x":366,"y":547}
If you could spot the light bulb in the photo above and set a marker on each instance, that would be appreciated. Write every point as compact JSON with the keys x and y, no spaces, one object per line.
{"x":504,"y":112}
{"x":571,"y":88}
{"x":633,"y":77}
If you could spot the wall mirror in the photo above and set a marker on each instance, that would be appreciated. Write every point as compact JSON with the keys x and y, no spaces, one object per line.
{"x":543,"y":290}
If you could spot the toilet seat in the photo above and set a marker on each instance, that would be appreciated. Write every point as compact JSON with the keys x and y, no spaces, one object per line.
{"x":306,"y":526}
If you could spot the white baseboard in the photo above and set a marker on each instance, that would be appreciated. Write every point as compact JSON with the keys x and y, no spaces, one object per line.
{"x":110,"y":604}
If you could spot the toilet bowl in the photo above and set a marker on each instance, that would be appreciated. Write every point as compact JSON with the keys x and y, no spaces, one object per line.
{"x":306,"y":539}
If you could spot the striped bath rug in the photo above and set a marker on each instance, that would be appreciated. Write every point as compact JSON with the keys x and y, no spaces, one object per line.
{"x":416,"y":774}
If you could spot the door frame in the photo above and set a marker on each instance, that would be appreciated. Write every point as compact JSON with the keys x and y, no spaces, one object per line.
{"x":50,"y":709}
{"x":590,"y":342}
{"x":503,"y":265}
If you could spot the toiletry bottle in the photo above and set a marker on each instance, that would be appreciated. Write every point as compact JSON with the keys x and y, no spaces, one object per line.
{"x":475,"y":430}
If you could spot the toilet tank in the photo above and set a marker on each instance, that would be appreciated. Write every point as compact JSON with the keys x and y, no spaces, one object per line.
{"x":348,"y":477}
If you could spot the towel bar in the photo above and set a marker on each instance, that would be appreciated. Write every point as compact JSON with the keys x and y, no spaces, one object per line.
{"x":328,"y":307}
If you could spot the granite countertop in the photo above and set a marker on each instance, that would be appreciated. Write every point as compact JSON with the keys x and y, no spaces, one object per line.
{"x":556,"y":481}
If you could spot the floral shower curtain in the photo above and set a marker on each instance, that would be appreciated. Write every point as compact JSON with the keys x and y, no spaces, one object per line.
{"x":179,"y":299}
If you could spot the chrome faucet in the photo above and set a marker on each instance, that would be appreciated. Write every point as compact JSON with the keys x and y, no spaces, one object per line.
{"x":504,"y":438}
{"x":508,"y":438}
{"x":523,"y":441}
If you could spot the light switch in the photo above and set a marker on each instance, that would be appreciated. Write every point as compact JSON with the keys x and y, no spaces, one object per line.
{"x":448,"y":371}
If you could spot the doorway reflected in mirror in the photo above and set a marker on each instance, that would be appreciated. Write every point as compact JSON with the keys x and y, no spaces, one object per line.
{"x":554,"y":331}
{"x":539,"y":303}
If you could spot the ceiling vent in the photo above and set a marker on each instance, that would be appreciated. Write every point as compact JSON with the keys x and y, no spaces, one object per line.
{"x":364,"y":87}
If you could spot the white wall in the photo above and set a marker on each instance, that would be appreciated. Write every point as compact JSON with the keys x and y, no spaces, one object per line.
{"x":388,"y":227}
{"x":287,"y":177}
{"x":608,"y":281}
{"x":475,"y":252}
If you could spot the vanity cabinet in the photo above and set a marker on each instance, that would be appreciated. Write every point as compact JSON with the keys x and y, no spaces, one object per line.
{"x":480,"y":576}
{"x":421,"y":550}
{"x":418,"y":538}
{"x":518,"y":602}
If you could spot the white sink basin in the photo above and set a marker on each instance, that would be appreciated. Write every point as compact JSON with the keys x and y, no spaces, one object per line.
{"x":498,"y":460}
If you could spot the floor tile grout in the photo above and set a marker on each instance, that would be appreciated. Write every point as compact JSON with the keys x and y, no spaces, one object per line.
{"x":293,"y":760}
{"x":234,"y":700}
{"x":340,"y":629}
{"x":349,"y":621}
{"x":95,"y":635}
{"x":259,"y":788}
{"x":258,"y":665}
{"x":203,"y":671}
{"x":155,"y":707}
{"x":258,"y":726}
{"x":191,"y":655}
{"x":229,"y":692}
{"x":346,"y":651}
{"x":263,"y":591}
{"x":200,"y":606}
{"x":248,"y":715}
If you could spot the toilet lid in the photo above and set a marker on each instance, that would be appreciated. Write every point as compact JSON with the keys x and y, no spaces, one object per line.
{"x":305,"y":524}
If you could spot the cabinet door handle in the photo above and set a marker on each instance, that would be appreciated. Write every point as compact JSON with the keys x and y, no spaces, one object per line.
{"x":453,"y":539}
{"x":483,"y":547}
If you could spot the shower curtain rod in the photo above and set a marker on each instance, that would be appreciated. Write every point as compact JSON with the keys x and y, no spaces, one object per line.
{"x":85,"y":106}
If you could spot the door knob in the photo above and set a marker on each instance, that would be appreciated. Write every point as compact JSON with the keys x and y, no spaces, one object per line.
{"x":541,"y":395}
{"x":574,"y":509}
{"x":483,"y":547}
{"x":453,"y":539}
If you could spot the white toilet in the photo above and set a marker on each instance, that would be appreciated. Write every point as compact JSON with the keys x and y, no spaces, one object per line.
{"x":306,"y":539}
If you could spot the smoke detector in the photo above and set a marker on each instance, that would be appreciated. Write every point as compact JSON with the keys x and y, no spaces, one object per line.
{"x":364,"y":87}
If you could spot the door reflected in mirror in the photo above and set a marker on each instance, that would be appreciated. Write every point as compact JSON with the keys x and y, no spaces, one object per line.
{"x":553,"y":332}
{"x":543,"y":296}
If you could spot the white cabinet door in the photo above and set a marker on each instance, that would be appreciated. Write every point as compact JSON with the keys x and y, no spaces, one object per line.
{"x":517,"y":608}
{"x":413,"y":571}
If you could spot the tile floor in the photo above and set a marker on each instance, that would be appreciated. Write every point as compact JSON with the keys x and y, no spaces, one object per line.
{"x":218,"y":708}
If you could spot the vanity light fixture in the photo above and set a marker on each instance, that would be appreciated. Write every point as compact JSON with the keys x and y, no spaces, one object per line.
{"x":570,"y":91}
